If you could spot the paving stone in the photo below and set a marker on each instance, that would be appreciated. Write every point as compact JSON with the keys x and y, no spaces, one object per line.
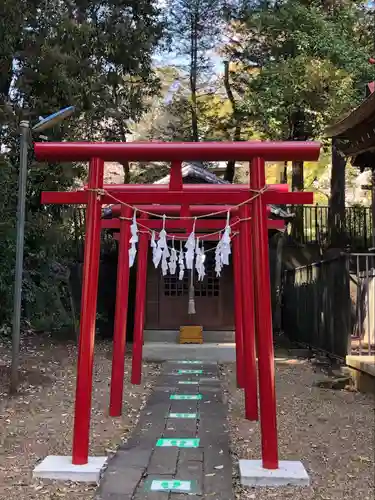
{"x":122,"y":481}
{"x":209,"y":408}
{"x":138,"y":443}
{"x":209,"y":380}
{"x":163,"y":461}
{"x":220,"y":485}
{"x":211,"y":396}
{"x":139,"y":460}
{"x":191,"y":470}
{"x":151,"y":495}
{"x":165,"y":388}
{"x":143,"y":494}
{"x":180,"y":427}
{"x":191,"y":454}
{"x":184,"y":406}
{"x":157,"y":411}
{"x":135,"y":458}
{"x":158,"y":397}
{"x":187,"y":389}
{"x":183,"y":496}
{"x":114,"y":496}
{"x":211,"y":390}
{"x":152,"y":431}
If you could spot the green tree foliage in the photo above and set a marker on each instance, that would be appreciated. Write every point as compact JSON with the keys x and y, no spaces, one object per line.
{"x":97,"y":56}
{"x":306,"y":63}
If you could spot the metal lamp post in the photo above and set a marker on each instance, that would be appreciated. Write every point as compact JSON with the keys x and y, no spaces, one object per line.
{"x":25,"y":130}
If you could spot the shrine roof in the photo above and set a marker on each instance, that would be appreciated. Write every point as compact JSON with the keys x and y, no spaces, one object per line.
{"x":356,"y":134}
{"x":198,"y":171}
{"x":363,"y":114}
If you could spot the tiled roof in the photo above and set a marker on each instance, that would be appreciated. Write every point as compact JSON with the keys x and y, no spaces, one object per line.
{"x":197,"y":170}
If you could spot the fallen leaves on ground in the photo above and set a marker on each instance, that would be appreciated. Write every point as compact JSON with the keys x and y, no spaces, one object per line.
{"x":330,"y":431}
{"x":38,"y":421}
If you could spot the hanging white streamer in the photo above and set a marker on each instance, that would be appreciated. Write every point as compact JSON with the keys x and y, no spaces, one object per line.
{"x":190,"y":247}
{"x":225,"y":249}
{"x":133,"y":240}
{"x":163,"y":247}
{"x":199,"y":263}
{"x":181,"y":264}
{"x":156,"y":252}
{"x":218,"y":261}
{"x":173,"y":259}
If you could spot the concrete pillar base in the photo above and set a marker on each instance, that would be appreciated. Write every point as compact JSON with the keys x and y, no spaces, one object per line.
{"x":288,"y":473}
{"x":61,"y":468}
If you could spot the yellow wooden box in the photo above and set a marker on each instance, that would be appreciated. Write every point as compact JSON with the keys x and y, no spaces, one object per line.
{"x":191,"y":335}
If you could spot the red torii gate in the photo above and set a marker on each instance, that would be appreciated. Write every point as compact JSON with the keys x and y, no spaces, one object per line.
{"x":123,"y":223}
{"x":255,"y":301}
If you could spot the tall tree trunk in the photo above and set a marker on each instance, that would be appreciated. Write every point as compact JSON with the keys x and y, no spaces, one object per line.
{"x":336,"y":210}
{"x":298,"y":133}
{"x":298,"y":185}
{"x":231,"y":164}
{"x":297,"y":175}
{"x":125,"y":166}
{"x":193,"y":77}
{"x":284,"y":179}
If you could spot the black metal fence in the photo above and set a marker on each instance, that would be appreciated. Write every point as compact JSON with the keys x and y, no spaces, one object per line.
{"x":357,"y":226}
{"x":316,"y":306}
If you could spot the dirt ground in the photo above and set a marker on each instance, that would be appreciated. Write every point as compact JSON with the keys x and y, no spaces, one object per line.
{"x":331,"y":431}
{"x":38,"y":421}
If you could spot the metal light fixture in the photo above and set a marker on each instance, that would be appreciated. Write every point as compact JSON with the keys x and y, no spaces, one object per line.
{"x":43,"y":124}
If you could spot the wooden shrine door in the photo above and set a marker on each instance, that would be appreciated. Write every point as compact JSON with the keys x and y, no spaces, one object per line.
{"x":213,"y":299}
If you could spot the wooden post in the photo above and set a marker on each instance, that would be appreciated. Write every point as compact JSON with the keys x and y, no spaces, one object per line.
{"x":263,"y":321}
{"x":238,"y":317}
{"x":82,"y":414}
{"x":140,"y":306}
{"x":121,"y":314}
{"x":250,"y":382}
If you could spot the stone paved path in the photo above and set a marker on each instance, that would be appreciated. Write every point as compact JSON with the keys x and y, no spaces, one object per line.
{"x":141,"y":470}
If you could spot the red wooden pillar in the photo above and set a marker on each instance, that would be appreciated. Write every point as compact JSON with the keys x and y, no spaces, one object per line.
{"x":82,"y":413}
{"x":121,"y":314}
{"x":140,"y":307}
{"x":237,"y":277}
{"x":250,"y":377}
{"x":263,"y":321}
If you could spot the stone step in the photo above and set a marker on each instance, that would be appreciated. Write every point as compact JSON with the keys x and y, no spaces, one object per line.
{"x":162,"y":351}
{"x":172,"y":336}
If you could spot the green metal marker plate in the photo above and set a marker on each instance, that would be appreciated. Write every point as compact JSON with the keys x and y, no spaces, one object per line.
{"x":190,"y":372}
{"x":190,"y":362}
{"x":188,"y":382}
{"x":171,"y":485}
{"x":185,"y":397}
{"x":179,"y":443}
{"x":183,"y":415}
